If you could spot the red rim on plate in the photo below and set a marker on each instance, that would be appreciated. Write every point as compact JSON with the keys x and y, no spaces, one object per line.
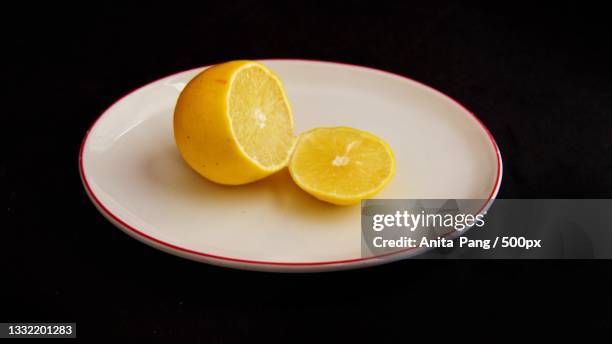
{"x":141,"y":234}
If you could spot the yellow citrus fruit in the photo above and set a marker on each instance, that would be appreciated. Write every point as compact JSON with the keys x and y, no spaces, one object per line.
{"x":233,"y":123}
{"x":341,"y":165}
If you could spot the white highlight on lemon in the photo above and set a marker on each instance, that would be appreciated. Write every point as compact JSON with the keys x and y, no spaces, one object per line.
{"x":341,"y":160}
{"x":350,"y":146}
{"x":260,"y":118}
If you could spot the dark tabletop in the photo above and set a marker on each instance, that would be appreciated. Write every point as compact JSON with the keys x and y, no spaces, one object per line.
{"x":538,"y":77}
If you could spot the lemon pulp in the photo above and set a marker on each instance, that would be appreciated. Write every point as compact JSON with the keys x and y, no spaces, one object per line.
{"x":260,"y":116}
{"x":341,"y":165}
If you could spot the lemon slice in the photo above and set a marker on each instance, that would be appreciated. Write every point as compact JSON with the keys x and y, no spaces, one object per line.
{"x":341,"y":165}
{"x":233,"y":123}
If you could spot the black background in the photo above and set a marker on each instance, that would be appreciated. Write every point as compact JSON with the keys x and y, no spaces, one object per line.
{"x":537,"y":76}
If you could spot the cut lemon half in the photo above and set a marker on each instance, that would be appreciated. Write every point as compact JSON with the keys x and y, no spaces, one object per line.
{"x":233,"y":123}
{"x":341,"y":165}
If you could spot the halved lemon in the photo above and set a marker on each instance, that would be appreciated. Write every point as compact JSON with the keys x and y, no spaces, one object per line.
{"x":341,"y":165}
{"x":233,"y":123}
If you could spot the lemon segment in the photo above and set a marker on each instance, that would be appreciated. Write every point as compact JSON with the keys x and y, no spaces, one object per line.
{"x":233,"y":123}
{"x":260,"y":117}
{"x":341,"y":165}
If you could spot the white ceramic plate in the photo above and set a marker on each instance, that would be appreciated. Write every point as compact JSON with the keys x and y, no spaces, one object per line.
{"x":133,"y":173}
